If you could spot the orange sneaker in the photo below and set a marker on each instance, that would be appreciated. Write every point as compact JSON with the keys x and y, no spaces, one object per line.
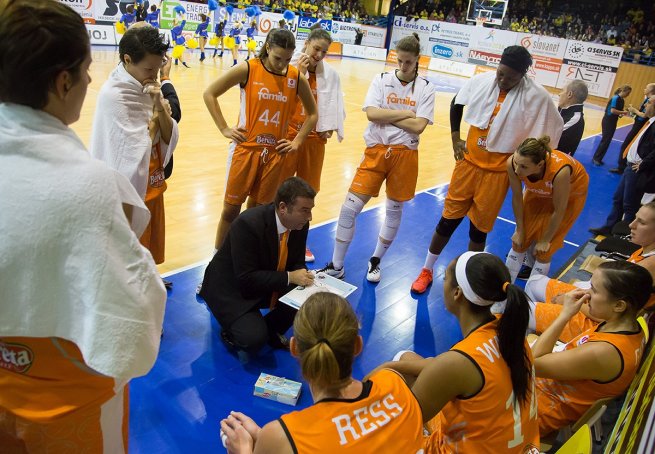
{"x":423,"y":281}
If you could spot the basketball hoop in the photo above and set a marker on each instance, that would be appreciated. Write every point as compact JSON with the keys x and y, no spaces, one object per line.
{"x":480,"y":21}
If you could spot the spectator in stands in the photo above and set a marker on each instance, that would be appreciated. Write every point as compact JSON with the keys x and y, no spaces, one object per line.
{"x":613,"y":111}
{"x":638,"y":177}
{"x":640,"y":119}
{"x":597,"y":363}
{"x":571,"y":101}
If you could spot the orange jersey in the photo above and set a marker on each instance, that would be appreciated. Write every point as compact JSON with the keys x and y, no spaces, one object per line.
{"x":543,"y":188}
{"x":636,"y":257}
{"x":156,"y":177}
{"x":299,"y":115}
{"x":43,"y":379}
{"x":492,"y":420}
{"x":267,"y":102}
{"x":476,"y":145}
{"x":385,"y":418}
{"x":562,"y":402}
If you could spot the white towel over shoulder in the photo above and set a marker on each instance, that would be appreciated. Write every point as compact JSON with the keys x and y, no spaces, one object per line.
{"x":528,"y":111}
{"x":120,"y":135}
{"x":331,"y":107}
{"x":70,"y":266}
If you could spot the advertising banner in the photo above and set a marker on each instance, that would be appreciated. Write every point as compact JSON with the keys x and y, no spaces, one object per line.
{"x":107,"y":11}
{"x":268,"y":21}
{"x":455,"y":68}
{"x":238,"y":15}
{"x":369,"y":53}
{"x":193,"y":12}
{"x":344,"y":32}
{"x":487,"y":45}
{"x":547,"y":57}
{"x":595,"y":64}
{"x":404,"y":27}
{"x":82,"y":7}
{"x":306,"y":23}
{"x":450,"y":41}
{"x":102,"y":34}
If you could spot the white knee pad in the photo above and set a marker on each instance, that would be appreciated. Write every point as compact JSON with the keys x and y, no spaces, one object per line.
{"x":536,"y":287}
{"x":394,"y":212}
{"x":351,"y":207}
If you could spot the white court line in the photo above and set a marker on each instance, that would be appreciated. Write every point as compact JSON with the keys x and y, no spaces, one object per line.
{"x":514,"y":223}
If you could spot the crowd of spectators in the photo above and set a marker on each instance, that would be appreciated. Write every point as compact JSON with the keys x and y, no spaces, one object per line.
{"x":631,"y":26}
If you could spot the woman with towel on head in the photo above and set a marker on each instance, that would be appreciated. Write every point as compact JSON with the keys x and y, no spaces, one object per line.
{"x":326,"y":341}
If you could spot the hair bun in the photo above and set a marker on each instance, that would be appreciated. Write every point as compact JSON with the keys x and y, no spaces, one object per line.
{"x":416,"y":36}
{"x":544,"y":140}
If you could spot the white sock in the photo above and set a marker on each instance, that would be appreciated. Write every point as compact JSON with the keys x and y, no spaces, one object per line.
{"x":529,"y":257}
{"x":430,"y":260}
{"x":381,"y":249}
{"x":339,"y":254}
{"x":513,"y":262}
{"x":540,"y":268}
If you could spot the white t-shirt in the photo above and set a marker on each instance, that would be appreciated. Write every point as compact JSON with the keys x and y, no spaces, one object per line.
{"x":388,"y":92}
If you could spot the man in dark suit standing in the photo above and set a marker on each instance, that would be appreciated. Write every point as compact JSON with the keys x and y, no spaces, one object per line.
{"x":249,"y":272}
{"x":571,"y":101}
{"x":638,"y":177}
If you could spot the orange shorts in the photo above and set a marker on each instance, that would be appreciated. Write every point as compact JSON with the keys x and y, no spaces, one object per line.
{"x":154,"y":235}
{"x":254,"y":172}
{"x":537,"y":212}
{"x":307,"y":162}
{"x":476,"y":193}
{"x":546,"y":313}
{"x":397,"y":164}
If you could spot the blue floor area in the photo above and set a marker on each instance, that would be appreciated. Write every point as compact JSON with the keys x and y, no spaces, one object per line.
{"x":196,"y":382}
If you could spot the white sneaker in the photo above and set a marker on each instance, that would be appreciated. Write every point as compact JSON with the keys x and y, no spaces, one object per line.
{"x":330,"y":270}
{"x":374,"y":274}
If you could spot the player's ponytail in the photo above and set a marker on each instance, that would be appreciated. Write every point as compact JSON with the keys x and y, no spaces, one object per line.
{"x":326,"y":330}
{"x":489,"y":280}
{"x":278,"y":37}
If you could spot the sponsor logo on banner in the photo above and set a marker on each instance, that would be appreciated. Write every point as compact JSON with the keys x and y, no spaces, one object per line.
{"x":344,"y":33}
{"x":101,"y":34}
{"x":595,"y":64}
{"x":82,"y":7}
{"x":403,"y":27}
{"x":452,"y":67}
{"x":15,"y":357}
{"x":484,"y":58}
{"x":489,"y":40}
{"x":269,"y":21}
{"x":547,"y":55}
{"x":193,"y":12}
{"x":369,"y":53}
{"x":442,"y":51}
{"x":306,"y":23}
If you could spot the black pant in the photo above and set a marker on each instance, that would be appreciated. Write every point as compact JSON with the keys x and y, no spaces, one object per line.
{"x":609,"y":127}
{"x":252,"y":330}
{"x":631,"y":135}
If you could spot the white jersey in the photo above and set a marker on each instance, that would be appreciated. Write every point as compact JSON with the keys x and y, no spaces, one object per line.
{"x":388,"y":92}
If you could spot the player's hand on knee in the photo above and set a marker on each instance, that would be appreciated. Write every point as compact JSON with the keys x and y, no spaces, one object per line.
{"x":301,"y":277}
{"x":517,"y":239}
{"x":541,"y":247}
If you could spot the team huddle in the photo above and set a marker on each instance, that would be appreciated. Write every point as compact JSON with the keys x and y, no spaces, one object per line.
{"x":66,"y":365}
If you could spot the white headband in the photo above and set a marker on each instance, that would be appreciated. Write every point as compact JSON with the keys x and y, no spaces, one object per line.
{"x":463,"y":282}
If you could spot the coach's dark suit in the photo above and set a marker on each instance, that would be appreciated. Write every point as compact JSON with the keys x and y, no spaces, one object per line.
{"x":243,"y":275}
{"x":646,"y":151}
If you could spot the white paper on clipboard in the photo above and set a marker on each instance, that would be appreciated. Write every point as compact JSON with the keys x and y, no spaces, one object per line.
{"x":322,"y":283}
